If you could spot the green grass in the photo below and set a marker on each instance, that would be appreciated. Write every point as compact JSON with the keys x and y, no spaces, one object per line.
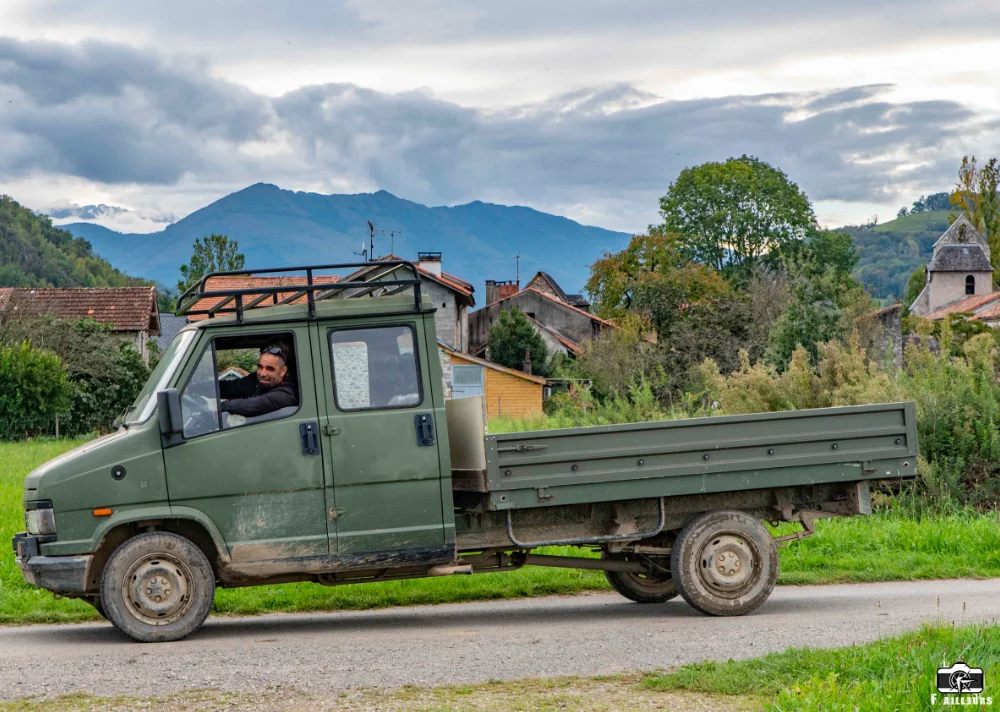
{"x":892,"y":674}
{"x":886,"y":547}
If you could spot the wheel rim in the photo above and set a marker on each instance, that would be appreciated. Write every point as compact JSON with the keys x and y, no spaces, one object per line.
{"x":157,"y":589}
{"x":729,"y":565}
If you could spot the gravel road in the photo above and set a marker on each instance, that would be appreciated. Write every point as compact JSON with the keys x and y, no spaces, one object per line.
{"x":470,"y":642}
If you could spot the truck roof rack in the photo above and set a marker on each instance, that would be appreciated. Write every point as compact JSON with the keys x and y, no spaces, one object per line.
{"x":304,"y":284}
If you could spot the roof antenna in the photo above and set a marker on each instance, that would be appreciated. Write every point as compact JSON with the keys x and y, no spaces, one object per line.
{"x":517,"y":269}
{"x":392,"y":240}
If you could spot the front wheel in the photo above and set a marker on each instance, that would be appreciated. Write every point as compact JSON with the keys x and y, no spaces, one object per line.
{"x":656,"y":586}
{"x":724,"y":563}
{"x":157,"y":587}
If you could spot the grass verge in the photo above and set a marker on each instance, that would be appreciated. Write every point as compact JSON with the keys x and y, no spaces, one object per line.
{"x":893,"y":674}
{"x":888,"y":546}
{"x":619,"y":693}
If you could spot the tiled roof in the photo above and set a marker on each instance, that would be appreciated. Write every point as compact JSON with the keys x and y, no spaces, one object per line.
{"x":448,"y":280}
{"x":124,"y":308}
{"x":960,"y":258}
{"x":490,"y":364}
{"x":976,"y":305}
{"x":241,"y":282}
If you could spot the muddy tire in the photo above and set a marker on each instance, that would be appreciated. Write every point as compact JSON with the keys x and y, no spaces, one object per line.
{"x":724,"y":563}
{"x":641,"y":588}
{"x":157,"y":587}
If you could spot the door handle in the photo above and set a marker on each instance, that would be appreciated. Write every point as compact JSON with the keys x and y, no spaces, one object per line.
{"x":425,"y":429}
{"x":309,"y":434}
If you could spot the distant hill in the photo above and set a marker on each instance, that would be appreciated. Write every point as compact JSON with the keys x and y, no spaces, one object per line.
{"x":891,"y":251}
{"x":276,"y":227}
{"x":33,"y":253}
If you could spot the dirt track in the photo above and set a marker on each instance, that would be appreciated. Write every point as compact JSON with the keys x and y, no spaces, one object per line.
{"x":428,"y":645}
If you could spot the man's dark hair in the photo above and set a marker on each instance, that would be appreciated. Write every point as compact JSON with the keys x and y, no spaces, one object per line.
{"x":277,"y":349}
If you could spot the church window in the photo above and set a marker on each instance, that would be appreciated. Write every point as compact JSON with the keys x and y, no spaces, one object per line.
{"x":970,"y":285}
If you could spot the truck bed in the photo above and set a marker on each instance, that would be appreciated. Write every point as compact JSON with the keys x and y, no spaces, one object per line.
{"x":700,"y":455}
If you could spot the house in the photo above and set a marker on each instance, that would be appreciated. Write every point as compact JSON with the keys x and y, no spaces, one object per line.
{"x":981,"y":307}
{"x":451,"y":296}
{"x":506,"y":391}
{"x":131,"y":312}
{"x":561,"y":319}
{"x":959,"y":271}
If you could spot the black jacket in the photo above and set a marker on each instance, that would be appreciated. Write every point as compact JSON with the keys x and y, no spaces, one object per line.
{"x":248,"y":397}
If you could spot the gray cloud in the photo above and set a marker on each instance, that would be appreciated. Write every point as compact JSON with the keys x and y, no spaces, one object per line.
{"x":116,"y":115}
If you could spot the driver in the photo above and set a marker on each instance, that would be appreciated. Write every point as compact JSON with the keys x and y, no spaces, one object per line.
{"x":267,"y":390}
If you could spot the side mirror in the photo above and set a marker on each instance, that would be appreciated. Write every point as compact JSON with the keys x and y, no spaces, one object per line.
{"x":168,"y":410}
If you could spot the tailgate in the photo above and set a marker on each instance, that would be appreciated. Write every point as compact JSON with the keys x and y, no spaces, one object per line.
{"x":698,"y":455}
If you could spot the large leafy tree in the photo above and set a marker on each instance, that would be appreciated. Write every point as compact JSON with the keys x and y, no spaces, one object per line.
{"x":215,"y":253}
{"x":977,"y":194}
{"x":651,"y":274}
{"x":735,"y":215}
{"x":514,"y":335}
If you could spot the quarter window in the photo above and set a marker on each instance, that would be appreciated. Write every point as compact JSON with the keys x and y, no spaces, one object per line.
{"x":375,"y":369}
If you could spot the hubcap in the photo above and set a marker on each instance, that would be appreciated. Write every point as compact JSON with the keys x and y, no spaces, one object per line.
{"x":727,"y":564}
{"x":157,"y":589}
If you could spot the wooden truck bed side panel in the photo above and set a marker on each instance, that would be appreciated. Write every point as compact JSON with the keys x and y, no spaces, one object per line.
{"x":700,"y":455}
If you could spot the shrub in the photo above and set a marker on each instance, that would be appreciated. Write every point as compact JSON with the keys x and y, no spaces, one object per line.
{"x":34,"y":389}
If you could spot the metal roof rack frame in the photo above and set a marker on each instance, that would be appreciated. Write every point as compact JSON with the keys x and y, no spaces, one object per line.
{"x":233,"y":300}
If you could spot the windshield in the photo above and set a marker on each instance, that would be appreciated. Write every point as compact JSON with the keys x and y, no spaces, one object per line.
{"x":139,"y":411}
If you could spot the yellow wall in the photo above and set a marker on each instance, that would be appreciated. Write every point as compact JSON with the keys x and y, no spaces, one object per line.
{"x":506,"y":394}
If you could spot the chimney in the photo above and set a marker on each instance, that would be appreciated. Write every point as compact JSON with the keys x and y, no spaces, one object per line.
{"x":526,"y":366}
{"x":430,"y":262}
{"x":492,"y":291}
{"x":508,"y":289}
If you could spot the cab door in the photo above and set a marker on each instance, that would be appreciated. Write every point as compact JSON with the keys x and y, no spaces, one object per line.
{"x":383,"y":442}
{"x":260,"y":480}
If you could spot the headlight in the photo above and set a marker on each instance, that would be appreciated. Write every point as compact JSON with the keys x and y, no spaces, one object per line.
{"x":41,"y":521}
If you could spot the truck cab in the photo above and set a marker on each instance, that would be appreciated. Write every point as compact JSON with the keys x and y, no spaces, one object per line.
{"x":354,"y":476}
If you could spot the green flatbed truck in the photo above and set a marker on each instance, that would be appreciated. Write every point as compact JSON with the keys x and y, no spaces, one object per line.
{"x":374,"y":476}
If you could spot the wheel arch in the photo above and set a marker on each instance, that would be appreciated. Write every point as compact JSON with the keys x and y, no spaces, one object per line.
{"x":189,"y":523}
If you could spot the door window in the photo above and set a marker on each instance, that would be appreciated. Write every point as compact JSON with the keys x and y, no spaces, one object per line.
{"x":241,"y":380}
{"x":199,"y":400}
{"x":375,"y":368}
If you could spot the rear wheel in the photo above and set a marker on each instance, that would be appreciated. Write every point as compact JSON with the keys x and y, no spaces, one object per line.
{"x":656,"y":586}
{"x":157,"y":587}
{"x":724,"y":563}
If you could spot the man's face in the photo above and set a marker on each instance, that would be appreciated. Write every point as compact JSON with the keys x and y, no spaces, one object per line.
{"x":271,"y":370}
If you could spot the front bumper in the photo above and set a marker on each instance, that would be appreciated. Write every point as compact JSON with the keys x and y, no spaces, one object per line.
{"x":60,"y":574}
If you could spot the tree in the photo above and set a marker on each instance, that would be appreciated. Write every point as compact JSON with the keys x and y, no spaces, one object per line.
{"x":827,"y":303}
{"x":652,"y":269}
{"x":735,"y":215}
{"x":34,"y":390}
{"x":903,"y":212}
{"x":977,"y":194}
{"x":105,"y":373}
{"x":215,"y":253}
{"x":514,"y":335}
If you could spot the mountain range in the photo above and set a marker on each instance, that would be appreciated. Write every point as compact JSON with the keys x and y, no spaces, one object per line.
{"x":277,"y":227}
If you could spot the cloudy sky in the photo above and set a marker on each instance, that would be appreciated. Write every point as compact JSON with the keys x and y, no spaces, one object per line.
{"x":585,"y":108}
